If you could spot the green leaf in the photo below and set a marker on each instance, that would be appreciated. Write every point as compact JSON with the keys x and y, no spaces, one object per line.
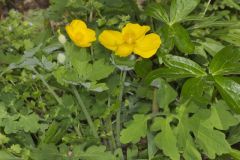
{"x":185,"y":141}
{"x":234,"y":136}
{"x":212,"y":46}
{"x":165,"y":93}
{"x":46,"y":151}
{"x":181,"y":8}
{"x":29,"y":123}
{"x":207,"y":137}
{"x":99,"y":70}
{"x":80,"y":60}
{"x":152,"y":149}
{"x":156,"y":10}
{"x":171,"y":73}
{"x":167,"y":39}
{"x":225,"y":62}
{"x":220,"y":117}
{"x":94,"y":153}
{"x":136,"y":129}
{"x":143,"y":67}
{"x":184,"y":64}
{"x":232,"y":3}
{"x":230,"y":91}
{"x":235,"y":154}
{"x":3,"y":139}
{"x":192,"y":89}
{"x":7,"y":156}
{"x":96,"y":87}
{"x":182,"y":39}
{"x":210,"y":140}
{"x":9,"y":58}
{"x":166,"y":140}
{"x":178,"y":67}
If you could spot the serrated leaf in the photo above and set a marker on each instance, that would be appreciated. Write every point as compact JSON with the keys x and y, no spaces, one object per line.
{"x":29,"y":123}
{"x":226,"y":61}
{"x":220,"y":117}
{"x":135,"y":130}
{"x":166,"y":140}
{"x":212,"y":141}
{"x":182,"y":39}
{"x":100,"y":70}
{"x":165,"y":93}
{"x":185,"y":141}
{"x":80,"y":60}
{"x":230,"y":91}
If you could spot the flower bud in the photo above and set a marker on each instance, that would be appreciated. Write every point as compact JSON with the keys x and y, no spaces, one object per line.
{"x":61,"y":58}
{"x":62,"y":39}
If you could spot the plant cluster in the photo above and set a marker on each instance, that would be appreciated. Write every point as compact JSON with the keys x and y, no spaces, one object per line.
{"x":121,"y":80}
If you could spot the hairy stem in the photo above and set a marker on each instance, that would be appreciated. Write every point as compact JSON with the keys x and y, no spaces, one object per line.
{"x":155,"y":108}
{"x":112,"y":142}
{"x":58,"y":99}
{"x":85,"y":112}
{"x":118,"y":119}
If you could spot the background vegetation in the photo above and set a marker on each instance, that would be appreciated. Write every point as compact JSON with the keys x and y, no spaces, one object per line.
{"x":61,"y":102}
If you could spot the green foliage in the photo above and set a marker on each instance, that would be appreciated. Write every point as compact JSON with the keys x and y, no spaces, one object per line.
{"x":135,"y":129}
{"x":183,"y":103}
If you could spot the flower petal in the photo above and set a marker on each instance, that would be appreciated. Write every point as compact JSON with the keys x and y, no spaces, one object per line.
{"x":91,"y":35}
{"x":111,"y":39}
{"x":136,"y":31}
{"x":148,"y":45}
{"x":80,"y":34}
{"x":78,"y":24}
{"x":124,"y":50}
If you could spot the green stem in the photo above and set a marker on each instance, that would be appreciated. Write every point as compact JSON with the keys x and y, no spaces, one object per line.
{"x":58,"y":99}
{"x":110,"y":130}
{"x":92,"y":53}
{"x":155,"y":108}
{"x":85,"y":112}
{"x":209,"y":1}
{"x":118,"y":118}
{"x":77,"y":129}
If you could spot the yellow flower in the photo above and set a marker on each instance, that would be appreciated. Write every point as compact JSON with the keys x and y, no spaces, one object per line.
{"x":80,"y":34}
{"x":133,"y":38}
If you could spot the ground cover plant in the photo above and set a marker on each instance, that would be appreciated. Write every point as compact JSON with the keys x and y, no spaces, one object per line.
{"x":119,"y":80}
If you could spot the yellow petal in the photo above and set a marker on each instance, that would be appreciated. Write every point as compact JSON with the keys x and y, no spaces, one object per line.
{"x":124,"y":50}
{"x":110,"y":39}
{"x":78,"y":24}
{"x":80,"y":34}
{"x":132,"y":32}
{"x":91,"y":35}
{"x":148,"y":45}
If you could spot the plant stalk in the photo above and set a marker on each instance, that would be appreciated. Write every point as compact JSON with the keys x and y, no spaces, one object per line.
{"x":85,"y":112}
{"x":58,"y":99}
{"x":155,"y":108}
{"x":118,"y":118}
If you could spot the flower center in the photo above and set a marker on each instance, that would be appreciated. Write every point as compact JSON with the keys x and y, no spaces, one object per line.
{"x":79,"y":36}
{"x":129,"y":38}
